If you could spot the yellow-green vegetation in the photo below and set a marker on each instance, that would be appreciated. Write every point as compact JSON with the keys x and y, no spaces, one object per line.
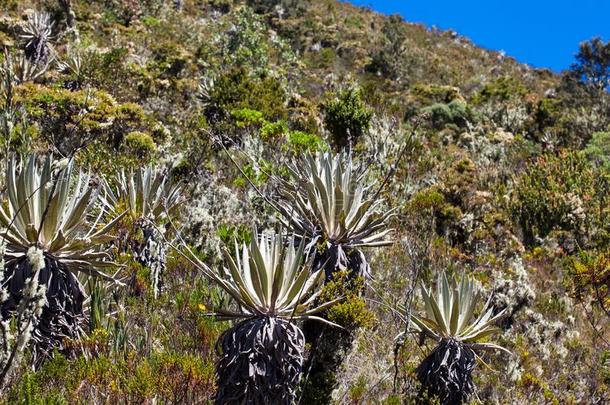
{"x":166,"y":376}
{"x":391,"y":153}
{"x":351,"y":312}
{"x":589,"y":276}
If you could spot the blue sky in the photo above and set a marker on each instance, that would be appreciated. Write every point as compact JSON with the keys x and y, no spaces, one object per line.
{"x":542,"y":33}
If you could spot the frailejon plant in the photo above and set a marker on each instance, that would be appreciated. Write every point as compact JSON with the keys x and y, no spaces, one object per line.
{"x":50,"y":239}
{"x":262,"y":355}
{"x":449,"y":319}
{"x":151,"y":198}
{"x":328,"y":203}
{"x":37,"y":35}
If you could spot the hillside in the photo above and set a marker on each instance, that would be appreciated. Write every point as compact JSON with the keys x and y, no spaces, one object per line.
{"x":198,"y":123}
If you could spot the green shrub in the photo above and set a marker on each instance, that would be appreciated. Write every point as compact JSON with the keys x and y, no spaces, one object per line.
{"x":168,"y":377}
{"x":433,"y":201}
{"x":299,"y":142}
{"x":559,"y":192}
{"x":588,"y":276}
{"x":258,"y":176}
{"x":236,"y":90}
{"x":548,"y":113}
{"x":501,"y":89}
{"x":351,"y":313}
{"x":598,"y":149}
{"x":323,"y":59}
{"x":140,"y":144}
{"x":247,"y":117}
{"x":106,"y":71}
{"x":70,"y":120}
{"x":389,"y":58}
{"x":434,"y":93}
{"x":274,"y":130}
{"x":168,"y":59}
{"x":229,"y":234}
{"x":347,"y":118}
{"x":246,"y":45}
{"x":455,"y":112}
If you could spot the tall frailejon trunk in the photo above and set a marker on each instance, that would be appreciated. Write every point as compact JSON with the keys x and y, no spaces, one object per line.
{"x":66,"y":5}
{"x":261,"y":361}
{"x":447,"y":372}
{"x":62,"y":314}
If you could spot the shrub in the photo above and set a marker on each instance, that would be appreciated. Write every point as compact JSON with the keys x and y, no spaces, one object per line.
{"x":455,"y":112}
{"x":299,"y":142}
{"x":330,"y":344}
{"x":236,"y":89}
{"x":322,"y":59}
{"x":246,"y":44}
{"x":273,"y":130}
{"x":389,"y":59}
{"x":588,"y":275}
{"x":598,"y":149}
{"x":432,"y":200}
{"x":106,"y":71}
{"x":428,"y":93}
{"x":501,"y":89}
{"x":169,"y":59}
{"x":140,"y":144}
{"x":347,"y":118}
{"x":70,"y":120}
{"x":164,"y":376}
{"x":559,"y":192}
{"x":247,"y":117}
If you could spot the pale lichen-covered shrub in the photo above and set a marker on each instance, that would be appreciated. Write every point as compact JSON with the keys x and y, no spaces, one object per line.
{"x":214,"y":204}
{"x":512,"y":290}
